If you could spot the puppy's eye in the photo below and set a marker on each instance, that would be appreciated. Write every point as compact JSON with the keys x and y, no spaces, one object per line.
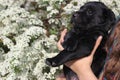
{"x":89,"y":12}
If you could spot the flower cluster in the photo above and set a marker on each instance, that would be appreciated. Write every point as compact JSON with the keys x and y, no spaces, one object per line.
{"x":24,"y":44}
{"x":28,"y":35}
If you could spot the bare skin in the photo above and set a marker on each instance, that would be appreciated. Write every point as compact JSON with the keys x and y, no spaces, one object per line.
{"x":84,"y":72}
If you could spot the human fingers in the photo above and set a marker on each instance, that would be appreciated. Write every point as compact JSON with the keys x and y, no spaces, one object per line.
{"x":96,"y":45}
{"x":63,"y":33}
{"x":60,"y":47}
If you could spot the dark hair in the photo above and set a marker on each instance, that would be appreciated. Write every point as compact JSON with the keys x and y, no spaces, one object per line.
{"x":112,"y":66}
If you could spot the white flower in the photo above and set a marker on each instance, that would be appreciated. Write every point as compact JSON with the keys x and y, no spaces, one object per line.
{"x":7,"y":41}
{"x":70,"y":8}
{"x":55,"y":11}
{"x":49,"y":8}
{"x":51,"y":21}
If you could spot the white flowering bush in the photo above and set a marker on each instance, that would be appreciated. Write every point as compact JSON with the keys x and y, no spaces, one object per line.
{"x":23,"y":44}
{"x":29,"y":32}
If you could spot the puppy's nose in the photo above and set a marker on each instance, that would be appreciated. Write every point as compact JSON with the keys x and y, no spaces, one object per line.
{"x":75,"y":15}
{"x":48,"y":62}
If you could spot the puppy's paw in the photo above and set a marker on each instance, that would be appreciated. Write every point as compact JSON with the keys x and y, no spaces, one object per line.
{"x":50,"y":62}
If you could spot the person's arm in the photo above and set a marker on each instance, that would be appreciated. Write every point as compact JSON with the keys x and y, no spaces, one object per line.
{"x":86,"y":74}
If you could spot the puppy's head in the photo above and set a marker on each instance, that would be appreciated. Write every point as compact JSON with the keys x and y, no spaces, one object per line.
{"x":93,"y":14}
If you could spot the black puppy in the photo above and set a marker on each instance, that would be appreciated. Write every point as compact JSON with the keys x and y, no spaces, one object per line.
{"x":92,"y":20}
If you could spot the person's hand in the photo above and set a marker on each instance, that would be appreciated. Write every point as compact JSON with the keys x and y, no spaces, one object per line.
{"x":83,"y":64}
{"x":63,"y":33}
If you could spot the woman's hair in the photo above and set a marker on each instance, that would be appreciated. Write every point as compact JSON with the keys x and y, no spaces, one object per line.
{"x":112,"y":67}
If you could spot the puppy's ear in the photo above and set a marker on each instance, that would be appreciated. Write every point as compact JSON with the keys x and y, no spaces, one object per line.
{"x":109,"y":18}
{"x":109,"y":15}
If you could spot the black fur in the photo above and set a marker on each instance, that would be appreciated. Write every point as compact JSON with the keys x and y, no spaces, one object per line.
{"x":92,"y":20}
